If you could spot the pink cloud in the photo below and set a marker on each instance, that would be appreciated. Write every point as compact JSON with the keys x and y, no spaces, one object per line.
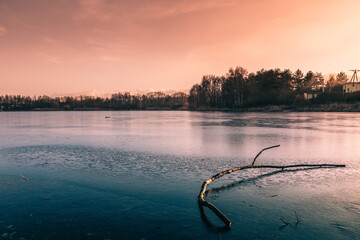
{"x":3,"y":31}
{"x":103,"y":11}
{"x":109,"y":58}
{"x":92,"y":9}
{"x":174,"y":8}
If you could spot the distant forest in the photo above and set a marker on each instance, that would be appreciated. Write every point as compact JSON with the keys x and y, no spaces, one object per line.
{"x":118,"y":101}
{"x":236,"y":90}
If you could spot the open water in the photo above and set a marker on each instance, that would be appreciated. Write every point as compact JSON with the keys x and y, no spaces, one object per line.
{"x":137,"y":175}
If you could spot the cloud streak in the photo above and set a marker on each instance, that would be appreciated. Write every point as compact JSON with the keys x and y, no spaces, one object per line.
{"x":3,"y":31}
{"x":104,"y":10}
{"x":109,"y":58}
{"x":175,"y":8}
{"x":93,"y":9}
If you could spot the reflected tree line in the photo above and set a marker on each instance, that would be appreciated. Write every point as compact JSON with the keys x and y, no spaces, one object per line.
{"x":237,"y":89}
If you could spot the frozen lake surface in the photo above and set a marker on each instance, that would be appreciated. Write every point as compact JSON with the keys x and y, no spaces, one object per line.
{"x":137,"y":175}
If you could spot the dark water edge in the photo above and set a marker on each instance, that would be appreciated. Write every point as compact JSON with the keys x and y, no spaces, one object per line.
{"x":330,"y":107}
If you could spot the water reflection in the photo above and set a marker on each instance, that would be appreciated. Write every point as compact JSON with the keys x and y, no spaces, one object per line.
{"x":159,"y":160}
{"x":211,"y":226}
{"x":257,"y":178}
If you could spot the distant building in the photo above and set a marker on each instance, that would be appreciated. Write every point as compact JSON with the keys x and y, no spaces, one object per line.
{"x":313,"y":93}
{"x":310,"y":95}
{"x":351,"y":87}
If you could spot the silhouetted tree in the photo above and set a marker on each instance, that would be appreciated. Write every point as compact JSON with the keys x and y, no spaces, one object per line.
{"x":298,"y":81}
{"x":330,"y":84}
{"x":234,"y":88}
{"x":341,"y":78}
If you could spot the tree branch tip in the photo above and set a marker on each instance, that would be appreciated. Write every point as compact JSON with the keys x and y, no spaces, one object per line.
{"x":264,"y":149}
{"x":297,"y":217}
{"x":286,"y":223}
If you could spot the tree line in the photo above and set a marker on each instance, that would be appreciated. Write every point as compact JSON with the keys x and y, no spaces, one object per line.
{"x":239,"y":89}
{"x":117,"y":101}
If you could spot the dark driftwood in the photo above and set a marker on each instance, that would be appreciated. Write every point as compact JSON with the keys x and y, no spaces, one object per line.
{"x":285,"y":222}
{"x":297,"y":217}
{"x":203,"y":193}
{"x":262,"y":151}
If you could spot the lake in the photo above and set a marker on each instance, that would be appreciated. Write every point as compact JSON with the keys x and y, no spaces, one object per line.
{"x":137,"y":175}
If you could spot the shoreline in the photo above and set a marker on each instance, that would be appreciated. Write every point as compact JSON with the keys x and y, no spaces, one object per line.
{"x":331,"y":107}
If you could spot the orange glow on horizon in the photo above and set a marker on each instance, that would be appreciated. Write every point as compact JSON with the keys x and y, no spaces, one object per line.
{"x":77,"y":46}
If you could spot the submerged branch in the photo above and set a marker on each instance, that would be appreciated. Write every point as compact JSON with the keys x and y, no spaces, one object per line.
{"x":297,"y":217}
{"x":226,"y":220}
{"x":285,"y":222}
{"x":262,"y":151}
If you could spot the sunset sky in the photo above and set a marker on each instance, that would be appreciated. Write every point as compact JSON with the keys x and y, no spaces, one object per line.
{"x":75,"y":46}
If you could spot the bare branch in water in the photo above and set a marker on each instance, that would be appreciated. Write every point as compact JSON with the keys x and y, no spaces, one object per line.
{"x":226,"y":220}
{"x":286,"y":223}
{"x":297,"y":217}
{"x":262,"y":151}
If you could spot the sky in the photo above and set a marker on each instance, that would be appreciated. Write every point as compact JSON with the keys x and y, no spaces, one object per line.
{"x":70,"y":47}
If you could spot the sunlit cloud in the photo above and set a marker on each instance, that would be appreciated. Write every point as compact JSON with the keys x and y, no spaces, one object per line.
{"x":93,"y":9}
{"x":103,"y":10}
{"x":109,"y":58}
{"x":48,"y":58}
{"x":108,"y":46}
{"x":173,"y":8}
{"x":109,"y":51}
{"x":53,"y":59}
{"x":3,"y":31}
{"x":51,"y":41}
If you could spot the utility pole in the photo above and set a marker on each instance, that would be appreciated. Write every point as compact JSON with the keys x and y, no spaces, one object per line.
{"x":354,"y":77}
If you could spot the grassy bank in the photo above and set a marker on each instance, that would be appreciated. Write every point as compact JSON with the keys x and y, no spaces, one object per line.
{"x":330,"y":107}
